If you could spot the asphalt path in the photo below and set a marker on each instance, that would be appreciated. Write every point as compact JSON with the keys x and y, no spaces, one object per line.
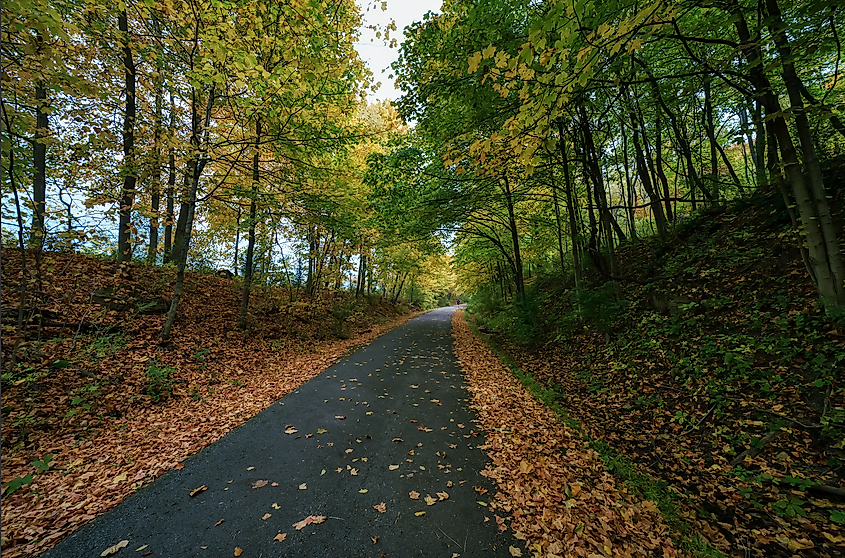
{"x":388,"y":420}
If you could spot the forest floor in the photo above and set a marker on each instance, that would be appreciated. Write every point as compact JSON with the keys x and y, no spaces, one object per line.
{"x":719,"y":377}
{"x":90,"y":413}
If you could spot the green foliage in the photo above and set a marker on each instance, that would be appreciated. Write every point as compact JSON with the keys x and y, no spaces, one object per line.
{"x":159,"y":381}
{"x":107,"y":345}
{"x":41,"y":465}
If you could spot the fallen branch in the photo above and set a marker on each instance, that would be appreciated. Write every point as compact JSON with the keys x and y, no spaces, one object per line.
{"x":753,"y":452}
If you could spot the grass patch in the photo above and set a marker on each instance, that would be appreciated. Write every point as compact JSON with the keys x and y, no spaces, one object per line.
{"x":638,"y":482}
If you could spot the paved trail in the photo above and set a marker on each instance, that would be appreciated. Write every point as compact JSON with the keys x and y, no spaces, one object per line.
{"x":405,"y":386}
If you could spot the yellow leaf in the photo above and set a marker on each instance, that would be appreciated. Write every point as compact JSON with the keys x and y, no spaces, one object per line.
{"x":280,"y":537}
{"x":515,"y":551}
{"x":238,"y":551}
{"x":419,"y":513}
{"x":114,"y":549}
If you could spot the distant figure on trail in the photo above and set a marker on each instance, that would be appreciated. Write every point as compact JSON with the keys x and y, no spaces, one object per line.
{"x":459,"y":301}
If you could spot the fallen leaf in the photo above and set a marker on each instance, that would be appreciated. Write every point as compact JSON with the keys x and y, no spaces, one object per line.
{"x":260,"y":483}
{"x":140,"y":548}
{"x":449,"y":484}
{"x":266,"y":516}
{"x":340,"y":417}
{"x":274,"y":484}
{"x":219,"y":522}
{"x":250,"y":468}
{"x":321,"y":431}
{"x":196,"y":491}
{"x":414,"y":495}
{"x":308,"y":521}
{"x":280,"y":537}
{"x":381,"y":508}
{"x":178,"y":467}
{"x":353,"y":472}
{"x":419,"y":513}
{"x":375,"y":539}
{"x":515,"y":551}
{"x":303,"y":486}
{"x":393,"y":467}
{"x":429,"y":500}
{"x":363,"y":491}
{"x":397,"y":440}
{"x":238,"y":551}
{"x":114,"y":549}
{"x":480,"y":503}
{"x":350,"y":450}
{"x":276,"y":506}
{"x":291,"y":431}
{"x":442,"y":496}
{"x":525,"y":467}
{"x":480,"y":490}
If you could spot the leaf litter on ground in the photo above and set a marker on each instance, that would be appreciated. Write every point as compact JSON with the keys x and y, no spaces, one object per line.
{"x":605,"y":520}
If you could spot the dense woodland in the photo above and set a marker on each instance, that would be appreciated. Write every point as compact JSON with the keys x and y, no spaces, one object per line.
{"x":589,"y":173}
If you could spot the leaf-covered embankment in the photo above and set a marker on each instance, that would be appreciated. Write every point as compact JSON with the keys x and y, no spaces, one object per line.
{"x":554,"y":491}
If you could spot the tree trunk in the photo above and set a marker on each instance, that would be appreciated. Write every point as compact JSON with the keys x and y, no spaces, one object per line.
{"x":710,"y":129}
{"x":237,"y":239}
{"x":196,"y":168}
{"x":127,"y":192}
{"x":39,"y":165}
{"x":152,"y":249}
{"x":171,"y":184}
{"x":250,"y":247}
{"x":571,"y":207}
{"x":645,"y":178}
{"x":520,"y":283}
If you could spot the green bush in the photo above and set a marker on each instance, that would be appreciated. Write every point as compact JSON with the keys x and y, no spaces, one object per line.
{"x":159,"y":381}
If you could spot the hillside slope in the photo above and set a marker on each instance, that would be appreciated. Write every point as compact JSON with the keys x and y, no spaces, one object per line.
{"x":718,"y":375}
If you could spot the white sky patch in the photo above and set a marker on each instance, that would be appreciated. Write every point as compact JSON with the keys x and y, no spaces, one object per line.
{"x":375,"y":52}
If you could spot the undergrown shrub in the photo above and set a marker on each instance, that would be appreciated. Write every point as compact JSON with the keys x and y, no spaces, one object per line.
{"x":159,"y":381}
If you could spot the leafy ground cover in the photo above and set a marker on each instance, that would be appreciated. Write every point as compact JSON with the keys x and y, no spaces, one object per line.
{"x":554,"y":489}
{"x":718,"y":376}
{"x":97,"y":405}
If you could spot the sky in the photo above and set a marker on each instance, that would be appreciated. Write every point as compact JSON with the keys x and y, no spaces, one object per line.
{"x":377,"y":54}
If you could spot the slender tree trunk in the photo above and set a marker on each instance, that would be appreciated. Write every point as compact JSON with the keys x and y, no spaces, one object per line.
{"x":658,"y":163}
{"x":710,"y":129}
{"x":171,"y":184}
{"x":645,"y":178}
{"x":520,"y":283}
{"x":760,"y":143}
{"x":127,"y":192}
{"x":250,"y":247}
{"x":608,"y":222}
{"x":152,"y":249}
{"x":571,"y":207}
{"x":39,"y":165}
{"x":632,"y":222}
{"x":196,"y":168}
{"x":558,"y":226}
{"x":182,"y":221}
{"x":237,"y":238}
